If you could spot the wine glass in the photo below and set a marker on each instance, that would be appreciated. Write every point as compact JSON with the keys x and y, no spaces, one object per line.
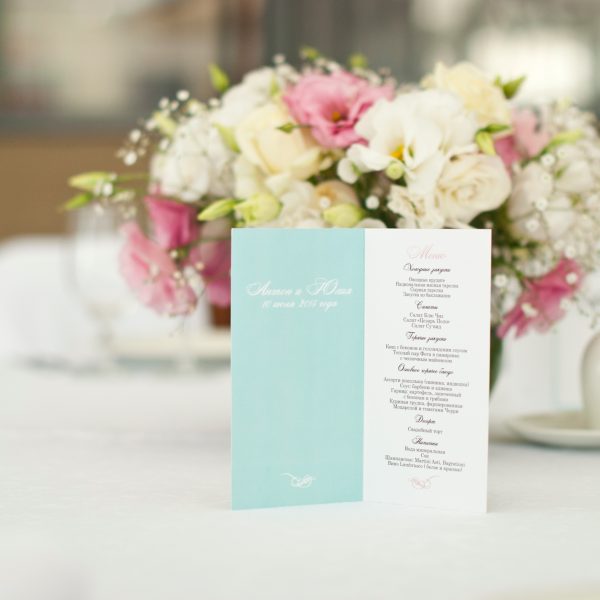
{"x":95,"y":243}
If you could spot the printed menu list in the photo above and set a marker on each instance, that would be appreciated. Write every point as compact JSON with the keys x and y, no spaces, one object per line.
{"x":427,"y":368}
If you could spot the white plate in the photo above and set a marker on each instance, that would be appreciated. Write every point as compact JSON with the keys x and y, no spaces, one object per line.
{"x":566,"y":429}
{"x":211,"y":344}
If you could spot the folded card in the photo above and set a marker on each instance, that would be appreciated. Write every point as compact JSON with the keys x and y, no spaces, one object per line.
{"x":360,"y":367}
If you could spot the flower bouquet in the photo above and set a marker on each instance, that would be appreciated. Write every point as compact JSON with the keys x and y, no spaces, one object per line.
{"x":326,"y":145}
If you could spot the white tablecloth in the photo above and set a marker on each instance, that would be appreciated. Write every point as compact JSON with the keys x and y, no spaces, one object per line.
{"x":117,"y":487}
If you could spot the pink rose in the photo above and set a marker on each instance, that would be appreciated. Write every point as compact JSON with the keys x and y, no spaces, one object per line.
{"x":174,"y":223}
{"x":527,"y":139}
{"x":541,"y":303}
{"x":150,"y":273}
{"x":332,"y":104}
{"x":213,"y":259}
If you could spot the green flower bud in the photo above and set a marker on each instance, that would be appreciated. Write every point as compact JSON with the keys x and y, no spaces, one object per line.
{"x":358,"y":61}
{"x":485,"y":142}
{"x":343,"y":215}
{"x":395,"y":170}
{"x":228,"y":137}
{"x":510,"y":88}
{"x":78,"y":201}
{"x":218,"y":209}
{"x":92,"y":181}
{"x":258,"y":209}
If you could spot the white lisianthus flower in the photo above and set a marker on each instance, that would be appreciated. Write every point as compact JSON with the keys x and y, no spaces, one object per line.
{"x":370,"y":223}
{"x":419,"y":131}
{"x":477,"y":91}
{"x":415,"y":210}
{"x":274,"y":151}
{"x":302,"y":203}
{"x":469,"y":185}
{"x":248,"y":178}
{"x":255,"y":89}
{"x":195,"y":163}
{"x":531,"y":186}
{"x":299,"y":207}
{"x":347,"y":171}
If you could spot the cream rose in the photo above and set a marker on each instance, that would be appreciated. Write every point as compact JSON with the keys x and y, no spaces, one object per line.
{"x":469,"y":185}
{"x":274,"y":151}
{"x":415,"y":210}
{"x":477,"y":91}
{"x":331,"y":193}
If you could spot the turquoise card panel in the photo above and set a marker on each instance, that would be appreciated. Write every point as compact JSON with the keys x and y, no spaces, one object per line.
{"x":297,"y":366}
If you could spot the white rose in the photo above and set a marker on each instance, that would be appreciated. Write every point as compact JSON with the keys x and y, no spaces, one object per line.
{"x":331,"y":193}
{"x":195,"y":164}
{"x":417,"y":130}
{"x":415,"y":210}
{"x":300,"y":207}
{"x":477,"y":91}
{"x":469,"y":185}
{"x":534,"y":187}
{"x":275,"y":151}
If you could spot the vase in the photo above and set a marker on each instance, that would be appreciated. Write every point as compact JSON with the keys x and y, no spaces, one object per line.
{"x":590,"y":382}
{"x":220,"y":316}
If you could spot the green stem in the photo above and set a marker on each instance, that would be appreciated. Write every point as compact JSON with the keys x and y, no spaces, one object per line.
{"x":496,"y":348}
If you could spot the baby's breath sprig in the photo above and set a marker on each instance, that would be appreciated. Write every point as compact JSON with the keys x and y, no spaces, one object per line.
{"x":156,"y":131}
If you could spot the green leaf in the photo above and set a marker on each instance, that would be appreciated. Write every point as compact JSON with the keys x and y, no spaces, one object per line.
{"x":90,"y":181}
{"x":309,"y":53}
{"x":228,"y":137}
{"x":358,"y":61}
{"x":564,"y":137}
{"x":218,"y":78}
{"x":289,"y":127}
{"x":78,"y":201}
{"x":485,"y":142}
{"x":218,"y":209}
{"x":495,"y":128}
{"x":510,"y":88}
{"x":274,"y":88}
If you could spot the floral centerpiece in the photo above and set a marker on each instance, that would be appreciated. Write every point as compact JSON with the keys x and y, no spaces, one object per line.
{"x":332,"y":146}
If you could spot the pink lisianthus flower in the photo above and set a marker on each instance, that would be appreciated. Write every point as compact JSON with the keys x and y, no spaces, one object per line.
{"x":541,"y":303}
{"x":150,"y":273}
{"x":174,"y":224}
{"x":332,"y":105}
{"x":527,"y":139}
{"x":212,"y":258}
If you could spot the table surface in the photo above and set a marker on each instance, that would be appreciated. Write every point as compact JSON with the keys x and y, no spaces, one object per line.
{"x":117,"y":487}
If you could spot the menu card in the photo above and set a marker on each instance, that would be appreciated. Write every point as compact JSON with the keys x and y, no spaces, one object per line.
{"x":360,"y":367}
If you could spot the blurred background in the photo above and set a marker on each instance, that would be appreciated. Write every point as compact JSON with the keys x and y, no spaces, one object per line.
{"x":75,"y":75}
{"x":105,"y":464}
